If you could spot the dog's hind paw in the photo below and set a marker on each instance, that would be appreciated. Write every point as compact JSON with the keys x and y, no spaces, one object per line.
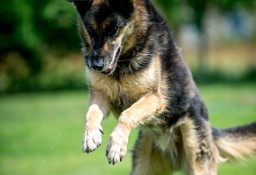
{"x":92,"y":139}
{"x":116,"y":148}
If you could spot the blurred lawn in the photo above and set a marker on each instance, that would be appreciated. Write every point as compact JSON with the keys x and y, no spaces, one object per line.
{"x":41,"y":133}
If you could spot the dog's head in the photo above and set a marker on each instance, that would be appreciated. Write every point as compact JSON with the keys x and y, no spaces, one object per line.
{"x":104,"y":26}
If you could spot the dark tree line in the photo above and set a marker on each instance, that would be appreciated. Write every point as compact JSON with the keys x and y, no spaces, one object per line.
{"x":32,"y":28}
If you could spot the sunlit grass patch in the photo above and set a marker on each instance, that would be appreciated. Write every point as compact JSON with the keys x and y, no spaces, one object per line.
{"x":41,"y":133}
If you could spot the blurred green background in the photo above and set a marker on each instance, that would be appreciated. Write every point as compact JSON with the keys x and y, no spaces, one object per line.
{"x":43,"y":93}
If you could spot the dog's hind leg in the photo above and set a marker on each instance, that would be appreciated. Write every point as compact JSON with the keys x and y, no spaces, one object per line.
{"x":201,"y":153}
{"x":148,"y":159}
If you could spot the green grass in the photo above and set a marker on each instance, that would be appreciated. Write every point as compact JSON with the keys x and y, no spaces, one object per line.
{"x":41,"y":133}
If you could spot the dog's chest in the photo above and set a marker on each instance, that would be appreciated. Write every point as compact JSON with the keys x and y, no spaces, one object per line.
{"x":122,"y":93}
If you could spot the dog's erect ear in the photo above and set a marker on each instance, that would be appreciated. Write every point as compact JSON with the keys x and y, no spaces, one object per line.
{"x":125,"y":7}
{"x":82,"y":5}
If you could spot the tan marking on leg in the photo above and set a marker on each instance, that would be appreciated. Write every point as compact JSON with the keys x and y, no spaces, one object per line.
{"x":142,"y":111}
{"x":94,"y":116}
{"x":202,"y":155}
{"x":139,"y":113}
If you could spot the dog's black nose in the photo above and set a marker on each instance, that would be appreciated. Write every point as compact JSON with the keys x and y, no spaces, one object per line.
{"x":97,"y":63}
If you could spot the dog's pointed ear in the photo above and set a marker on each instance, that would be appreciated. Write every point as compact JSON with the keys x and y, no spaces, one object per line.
{"x":125,"y":7}
{"x":82,"y":5}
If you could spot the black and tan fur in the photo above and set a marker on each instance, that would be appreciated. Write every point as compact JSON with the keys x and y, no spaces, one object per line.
{"x":135,"y":70}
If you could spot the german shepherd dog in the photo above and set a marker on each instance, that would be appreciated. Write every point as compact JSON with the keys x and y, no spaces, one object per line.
{"x":135,"y":70}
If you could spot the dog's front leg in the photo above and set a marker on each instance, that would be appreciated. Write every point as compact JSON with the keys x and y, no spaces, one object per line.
{"x":138,"y":114}
{"x":98,"y":108}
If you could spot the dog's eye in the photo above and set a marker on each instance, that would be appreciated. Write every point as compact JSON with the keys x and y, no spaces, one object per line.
{"x":89,"y":28}
{"x":111,"y":30}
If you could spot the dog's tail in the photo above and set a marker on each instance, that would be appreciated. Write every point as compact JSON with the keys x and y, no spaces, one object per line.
{"x":236,"y":143}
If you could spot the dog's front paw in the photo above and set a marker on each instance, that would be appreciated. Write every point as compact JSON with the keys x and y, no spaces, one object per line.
{"x":92,"y":139}
{"x":116,"y":148}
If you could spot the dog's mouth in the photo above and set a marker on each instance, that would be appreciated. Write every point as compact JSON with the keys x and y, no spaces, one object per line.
{"x":112,"y":66}
{"x":109,"y":70}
